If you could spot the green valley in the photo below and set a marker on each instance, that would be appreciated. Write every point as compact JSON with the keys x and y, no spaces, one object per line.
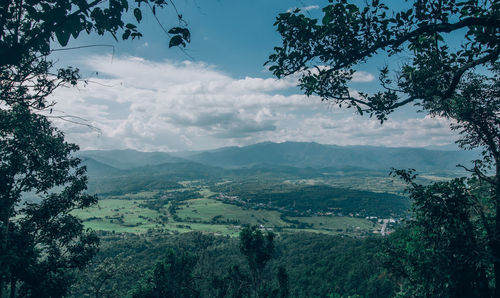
{"x":149,"y":192}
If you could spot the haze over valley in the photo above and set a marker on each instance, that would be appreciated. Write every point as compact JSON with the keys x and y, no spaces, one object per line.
{"x":290,"y":186}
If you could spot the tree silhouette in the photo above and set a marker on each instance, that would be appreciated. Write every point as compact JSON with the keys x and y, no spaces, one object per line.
{"x":258,"y":249}
{"x":40,"y":241}
{"x":325,"y":52}
{"x":441,"y":77}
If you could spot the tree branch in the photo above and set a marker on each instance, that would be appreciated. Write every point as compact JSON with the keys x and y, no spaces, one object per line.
{"x":478,"y":172}
{"x":424,"y":29}
{"x":458,"y":75}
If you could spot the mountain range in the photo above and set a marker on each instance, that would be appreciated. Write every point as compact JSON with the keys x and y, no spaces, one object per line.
{"x":287,"y":154}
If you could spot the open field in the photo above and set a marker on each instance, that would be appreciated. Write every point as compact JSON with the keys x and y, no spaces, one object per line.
{"x":129,"y":213}
{"x":215,"y":211}
{"x":337,"y":224}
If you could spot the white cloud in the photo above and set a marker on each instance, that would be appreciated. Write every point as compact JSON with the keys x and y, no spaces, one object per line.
{"x":354,"y":130}
{"x":305,"y":8}
{"x":362,"y":77}
{"x":165,"y":106}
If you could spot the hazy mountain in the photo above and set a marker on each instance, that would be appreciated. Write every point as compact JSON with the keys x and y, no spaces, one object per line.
{"x":95,"y":168}
{"x":269,"y":155}
{"x":315,"y":155}
{"x":180,"y":170}
{"x":129,"y":159}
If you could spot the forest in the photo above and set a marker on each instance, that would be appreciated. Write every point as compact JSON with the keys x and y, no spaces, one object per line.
{"x":264,"y":218}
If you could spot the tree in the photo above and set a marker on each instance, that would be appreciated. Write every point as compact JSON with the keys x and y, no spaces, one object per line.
{"x":283,"y":290}
{"x":442,"y":251}
{"x":458,"y":81}
{"x":173,"y":277}
{"x":258,"y":249}
{"x":40,"y":241}
{"x":30,"y":28}
{"x":454,"y":225}
{"x":235,"y":283}
{"x":99,"y":278}
{"x":325,"y":54}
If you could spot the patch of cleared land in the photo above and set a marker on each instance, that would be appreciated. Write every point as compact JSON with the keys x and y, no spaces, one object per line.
{"x":127,"y":213}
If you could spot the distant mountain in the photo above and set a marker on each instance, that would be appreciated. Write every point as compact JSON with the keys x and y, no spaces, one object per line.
{"x":129,"y":159}
{"x":95,"y":168}
{"x":297,"y":154}
{"x":163,"y":176}
{"x":124,"y":171}
{"x":187,"y":170}
{"x":270,"y":155}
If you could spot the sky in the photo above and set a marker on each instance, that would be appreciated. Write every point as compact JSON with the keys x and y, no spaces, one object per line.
{"x":142,"y":95}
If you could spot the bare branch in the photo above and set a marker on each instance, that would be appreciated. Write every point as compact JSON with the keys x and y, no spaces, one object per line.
{"x":478,"y":172}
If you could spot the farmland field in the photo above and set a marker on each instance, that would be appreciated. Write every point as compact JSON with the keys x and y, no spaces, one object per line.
{"x":130,"y":213}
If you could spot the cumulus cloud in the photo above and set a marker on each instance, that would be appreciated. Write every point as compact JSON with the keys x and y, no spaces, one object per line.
{"x":413,"y":132}
{"x":163,"y":106}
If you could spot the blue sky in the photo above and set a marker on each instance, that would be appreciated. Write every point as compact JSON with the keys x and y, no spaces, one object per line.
{"x":217,"y":92}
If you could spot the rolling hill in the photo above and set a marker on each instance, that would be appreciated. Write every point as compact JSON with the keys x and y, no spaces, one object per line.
{"x":129,"y":159}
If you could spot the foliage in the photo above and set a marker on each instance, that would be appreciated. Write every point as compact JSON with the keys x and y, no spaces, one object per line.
{"x":30,"y":26}
{"x":257,"y":248}
{"x":170,"y":278}
{"x":476,"y":110}
{"x":316,"y":265}
{"x":326,"y":52}
{"x":283,"y":283}
{"x":40,"y":240}
{"x":446,"y":235}
{"x":457,"y":81}
{"x":320,"y":265}
{"x":317,"y":198}
{"x":97,"y":279}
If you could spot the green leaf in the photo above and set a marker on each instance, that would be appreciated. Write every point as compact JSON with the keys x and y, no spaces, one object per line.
{"x":125,"y":4}
{"x":63,"y":37}
{"x":126,"y":34}
{"x":186,"y":35}
{"x":75,"y":34}
{"x":138,"y":14}
{"x":176,"y":41}
{"x":176,"y":30}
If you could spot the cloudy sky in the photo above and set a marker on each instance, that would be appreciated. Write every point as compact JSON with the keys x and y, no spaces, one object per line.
{"x":142,"y":95}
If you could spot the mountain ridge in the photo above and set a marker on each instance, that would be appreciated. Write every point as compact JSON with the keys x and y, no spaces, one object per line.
{"x":316,"y":155}
{"x":294,"y":154}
